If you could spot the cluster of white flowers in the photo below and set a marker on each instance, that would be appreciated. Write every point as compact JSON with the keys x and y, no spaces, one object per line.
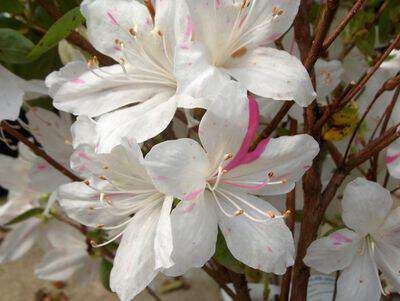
{"x":165,"y":208}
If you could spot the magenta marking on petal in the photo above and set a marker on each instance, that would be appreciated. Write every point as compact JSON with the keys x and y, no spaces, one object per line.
{"x":189,"y":29}
{"x":269,"y":250}
{"x":77,"y":81}
{"x":391,"y":159}
{"x":193,"y":195}
{"x":254,"y":155}
{"x":218,"y":3}
{"x":307,"y":167}
{"x":83,"y":155}
{"x":148,"y":21}
{"x":111,"y":18}
{"x":160,"y":178}
{"x":42,"y":167}
{"x":256,"y":187}
{"x":339,"y":239}
{"x":250,"y":134}
{"x":189,"y":208}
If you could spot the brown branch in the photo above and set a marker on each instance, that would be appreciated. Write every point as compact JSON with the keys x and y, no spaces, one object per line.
{"x":328,"y":42}
{"x":150,"y":8}
{"x":340,"y":103}
{"x":291,"y":206}
{"x":39,"y":152}
{"x":214,"y":275}
{"x":240,"y":284}
{"x":76,"y":38}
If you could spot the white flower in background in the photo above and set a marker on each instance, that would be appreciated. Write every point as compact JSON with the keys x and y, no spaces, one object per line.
{"x":67,"y":256}
{"x":372,"y":243}
{"x":216,"y":185}
{"x":393,"y":159}
{"x":233,"y":39}
{"x":135,"y":98}
{"x":14,"y":90}
{"x":119,"y":188}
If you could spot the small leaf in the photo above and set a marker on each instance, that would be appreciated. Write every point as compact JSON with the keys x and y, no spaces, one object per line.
{"x":60,"y":30}
{"x":225,"y":257}
{"x":105,"y":270}
{"x":26,"y":215}
{"x":11,"y":6}
{"x":14,"y":47}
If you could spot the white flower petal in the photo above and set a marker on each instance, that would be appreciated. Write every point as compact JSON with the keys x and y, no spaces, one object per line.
{"x":267,"y":246}
{"x":285,"y":158}
{"x":334,"y":252}
{"x":11,"y":97}
{"x":111,"y":20}
{"x":328,"y":76}
{"x":19,"y":240}
{"x":393,"y":159}
{"x":134,"y":263}
{"x":60,"y":264}
{"x":225,"y":123}
{"x":163,"y":239}
{"x":273,"y":73}
{"x":194,"y":229}
{"x":140,"y":122}
{"x":14,"y":173}
{"x":360,"y":281}
{"x":84,"y":132}
{"x":365,"y":205}
{"x":388,"y":260}
{"x":178,"y":168}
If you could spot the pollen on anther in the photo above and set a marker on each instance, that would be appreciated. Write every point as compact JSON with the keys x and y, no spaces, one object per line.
{"x":276,"y":11}
{"x":287,"y":214}
{"x":239,"y":212}
{"x":105,"y":167}
{"x":103,"y":177}
{"x":239,"y":53}
{"x":271,"y":214}
{"x":132,"y":32}
{"x":100,"y":226}
{"x":270,"y":174}
{"x":93,"y":243}
{"x":87,"y":182}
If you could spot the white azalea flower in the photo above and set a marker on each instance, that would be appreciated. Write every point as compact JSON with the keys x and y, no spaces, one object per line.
{"x":67,"y":256}
{"x":14,"y":90}
{"x":232,"y":38}
{"x":372,"y":244}
{"x":216,"y":185}
{"x":144,"y":80}
{"x":118,"y":189}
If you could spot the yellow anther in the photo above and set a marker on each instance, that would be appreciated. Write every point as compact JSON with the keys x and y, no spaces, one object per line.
{"x":271,"y":214}
{"x":239,"y":212}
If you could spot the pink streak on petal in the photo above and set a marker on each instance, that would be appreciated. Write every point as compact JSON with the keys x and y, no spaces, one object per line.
{"x":256,"y":187}
{"x":254,"y":155}
{"x":189,"y":208}
{"x":41,"y":167}
{"x":391,"y":159}
{"x":339,"y":239}
{"x":248,"y":139}
{"x":83,"y":155}
{"x":77,"y":81}
{"x":112,"y":19}
{"x":193,"y":195}
{"x":218,"y":3}
{"x":189,"y":29}
{"x":160,"y":178}
{"x":269,"y":250}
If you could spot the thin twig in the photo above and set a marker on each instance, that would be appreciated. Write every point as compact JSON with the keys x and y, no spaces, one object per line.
{"x":39,"y":152}
{"x":153,"y":294}
{"x":214,"y":275}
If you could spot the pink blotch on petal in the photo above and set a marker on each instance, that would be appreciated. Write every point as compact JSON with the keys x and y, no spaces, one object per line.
{"x":83,"y":155}
{"x":269,"y":250}
{"x":160,"y":178}
{"x":193,"y":195}
{"x":189,"y":208}
{"x":339,"y":239}
{"x":78,"y":81}
{"x":111,"y":18}
{"x":391,"y":159}
{"x":42,"y":167}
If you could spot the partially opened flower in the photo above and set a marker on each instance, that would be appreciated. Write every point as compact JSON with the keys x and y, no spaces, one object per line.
{"x":371,"y":244}
{"x":14,"y":90}
{"x":120,"y":197}
{"x":135,"y":98}
{"x":232,"y":39}
{"x":67,"y":256}
{"x":216,"y":183}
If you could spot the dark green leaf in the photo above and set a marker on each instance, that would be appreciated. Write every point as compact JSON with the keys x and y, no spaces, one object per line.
{"x":14,"y":47}
{"x":105,"y":270}
{"x":26,"y":215}
{"x":11,"y":6}
{"x":225,"y":257}
{"x":60,"y":30}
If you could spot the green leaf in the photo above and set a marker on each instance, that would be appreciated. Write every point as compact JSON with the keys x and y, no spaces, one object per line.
{"x":60,"y":30}
{"x":26,"y":215}
{"x":225,"y":257}
{"x":105,"y":270}
{"x":14,"y":47}
{"x":11,"y":6}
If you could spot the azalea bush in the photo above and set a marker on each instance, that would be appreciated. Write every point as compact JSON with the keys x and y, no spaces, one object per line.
{"x":256,"y":140}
